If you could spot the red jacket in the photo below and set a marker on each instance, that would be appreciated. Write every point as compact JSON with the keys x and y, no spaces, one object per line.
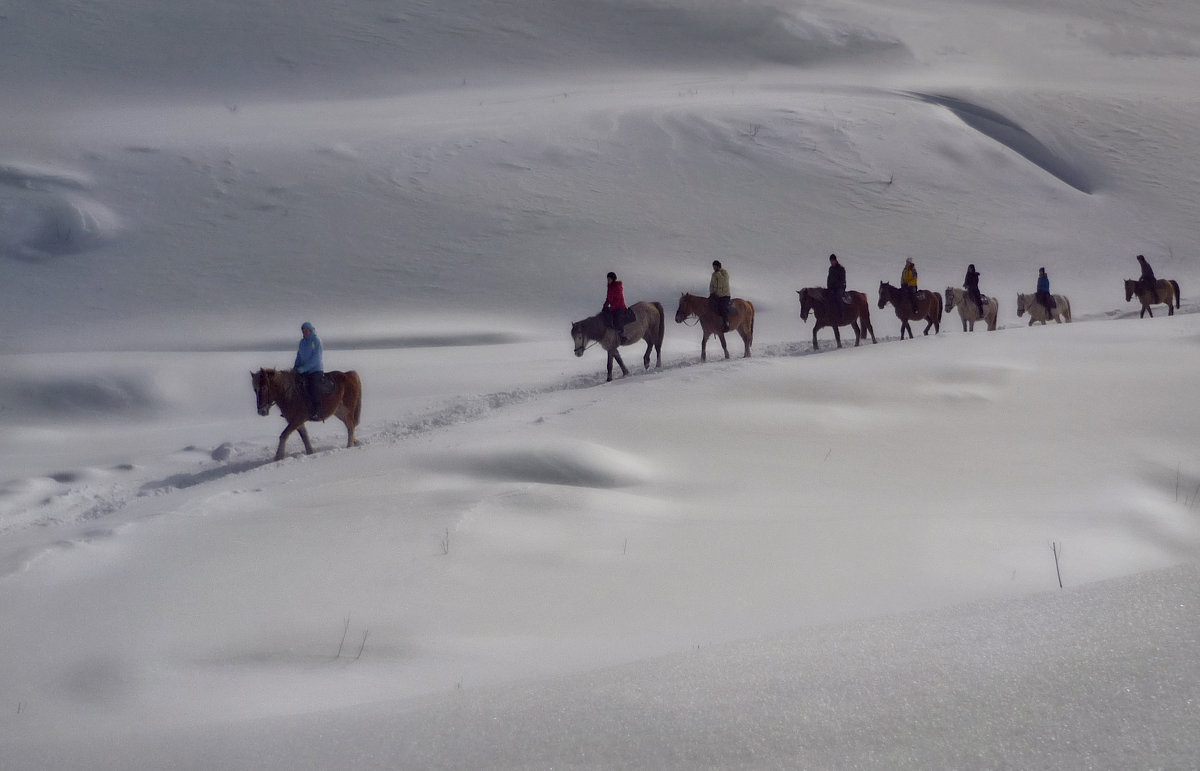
{"x":616,"y":297}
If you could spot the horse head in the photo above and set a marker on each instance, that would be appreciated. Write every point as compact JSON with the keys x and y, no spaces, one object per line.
{"x":579,"y":335}
{"x":1130,"y":288}
{"x":684,"y":309}
{"x":1020,"y":305}
{"x":261,"y":381}
{"x":885,"y":294}
{"x":806,"y":303}
{"x":951,"y":297}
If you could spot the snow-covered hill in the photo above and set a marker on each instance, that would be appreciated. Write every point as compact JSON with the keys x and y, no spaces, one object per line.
{"x":823,"y":559}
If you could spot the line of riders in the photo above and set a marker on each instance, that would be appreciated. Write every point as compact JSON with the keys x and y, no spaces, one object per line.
{"x":309,"y":368}
{"x":618,"y":315}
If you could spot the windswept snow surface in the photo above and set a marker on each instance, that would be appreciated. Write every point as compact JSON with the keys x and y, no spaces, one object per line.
{"x":963,"y":550}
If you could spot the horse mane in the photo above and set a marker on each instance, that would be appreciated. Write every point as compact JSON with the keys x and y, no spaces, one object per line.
{"x":285,"y":381}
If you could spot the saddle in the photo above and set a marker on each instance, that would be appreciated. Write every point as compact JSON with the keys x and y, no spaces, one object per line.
{"x":323,"y":384}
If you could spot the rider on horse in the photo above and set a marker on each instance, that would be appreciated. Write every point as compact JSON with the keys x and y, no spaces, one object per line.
{"x":835,"y":286}
{"x":309,"y":369}
{"x":1043,"y":292}
{"x":908,"y":282}
{"x":718,"y":292}
{"x":971,"y":284}
{"x":614,"y":309}
{"x":1147,"y":282}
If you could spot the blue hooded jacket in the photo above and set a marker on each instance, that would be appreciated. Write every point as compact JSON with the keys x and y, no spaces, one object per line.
{"x":308,"y":354}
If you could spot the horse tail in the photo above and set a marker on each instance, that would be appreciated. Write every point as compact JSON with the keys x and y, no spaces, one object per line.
{"x":1066,"y":308}
{"x":660,"y":328}
{"x":1175,"y":286}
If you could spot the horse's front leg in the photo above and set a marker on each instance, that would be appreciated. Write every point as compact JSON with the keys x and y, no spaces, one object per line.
{"x":615,"y":354}
{"x":287,"y":431}
{"x":704,"y":347}
{"x":815,"y":328}
{"x":837,"y":335}
{"x":303,"y":432}
{"x":724,"y":347}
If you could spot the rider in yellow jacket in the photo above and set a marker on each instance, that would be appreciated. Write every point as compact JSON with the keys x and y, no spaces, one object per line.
{"x":718,"y":291}
{"x":908,"y":282}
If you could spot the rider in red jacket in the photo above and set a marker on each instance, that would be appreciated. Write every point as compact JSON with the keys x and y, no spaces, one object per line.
{"x":614,"y":305}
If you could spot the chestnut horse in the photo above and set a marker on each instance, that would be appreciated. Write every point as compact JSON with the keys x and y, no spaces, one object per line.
{"x":647,"y":325}
{"x":741,"y":319}
{"x":1165,"y":290}
{"x":856,"y":312}
{"x":968,"y":311}
{"x":929,"y":307}
{"x":343,"y":399}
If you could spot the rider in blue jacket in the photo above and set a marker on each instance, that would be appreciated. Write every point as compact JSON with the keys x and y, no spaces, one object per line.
{"x":309,"y":368}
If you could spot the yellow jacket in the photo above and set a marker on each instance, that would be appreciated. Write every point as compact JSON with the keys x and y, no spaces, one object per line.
{"x":909,"y":276}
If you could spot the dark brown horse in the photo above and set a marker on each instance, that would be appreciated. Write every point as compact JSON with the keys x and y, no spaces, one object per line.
{"x":929,"y":307}
{"x":856,"y":312}
{"x":741,"y":318}
{"x":1165,"y":290}
{"x":647,"y":325}
{"x":343,"y":400}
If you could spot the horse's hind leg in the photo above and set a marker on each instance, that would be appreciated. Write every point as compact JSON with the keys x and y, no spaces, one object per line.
{"x":348,"y":419}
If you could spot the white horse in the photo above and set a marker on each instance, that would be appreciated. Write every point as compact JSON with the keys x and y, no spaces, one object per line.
{"x":1038,"y":312}
{"x":968,"y":311}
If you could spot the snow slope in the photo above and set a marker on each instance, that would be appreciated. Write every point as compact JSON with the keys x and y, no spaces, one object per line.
{"x":819,"y":559}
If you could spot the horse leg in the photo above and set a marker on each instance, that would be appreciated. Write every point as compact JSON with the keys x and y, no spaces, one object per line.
{"x":287,"y":431}
{"x":704,"y":348}
{"x":816,"y":326}
{"x":724,"y":347}
{"x":646,"y":357}
{"x":837,"y":335}
{"x":617,"y":355}
{"x":857,"y":334}
{"x":343,"y":413}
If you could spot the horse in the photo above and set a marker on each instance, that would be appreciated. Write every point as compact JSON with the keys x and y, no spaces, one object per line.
{"x":856,"y":313}
{"x":343,"y":399}
{"x":647,"y":325}
{"x":1166,"y":290}
{"x":968,"y":311}
{"x":1038,"y":312}
{"x":741,"y":319}
{"x":929,"y":308}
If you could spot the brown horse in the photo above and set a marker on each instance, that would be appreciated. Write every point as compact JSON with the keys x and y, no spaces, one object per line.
{"x":856,"y":312}
{"x":929,"y":307}
{"x":741,"y":318}
{"x":343,"y":399}
{"x":1165,"y":291}
{"x":647,"y":325}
